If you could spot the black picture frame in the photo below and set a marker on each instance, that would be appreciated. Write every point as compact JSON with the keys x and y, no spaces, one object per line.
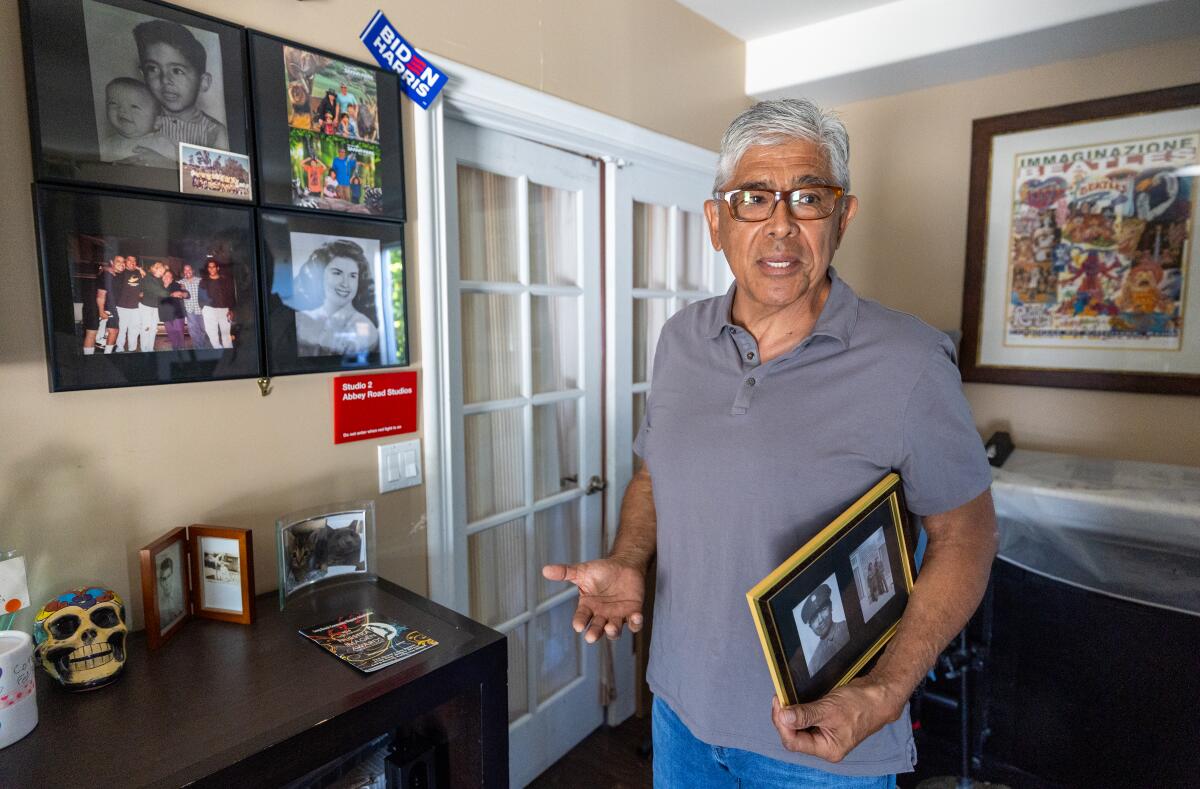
{"x":281,"y":146}
{"x":311,"y":326}
{"x":70,"y":48}
{"x":840,"y":571}
{"x":78,"y":229}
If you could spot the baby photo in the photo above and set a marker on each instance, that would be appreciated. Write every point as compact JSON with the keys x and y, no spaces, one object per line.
{"x":155,"y":84}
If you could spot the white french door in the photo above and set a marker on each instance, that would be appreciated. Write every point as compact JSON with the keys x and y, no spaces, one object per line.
{"x":523,"y":284}
{"x":661,"y":261}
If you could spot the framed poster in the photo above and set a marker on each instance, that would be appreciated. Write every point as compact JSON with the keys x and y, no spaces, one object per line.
{"x":334,"y":290}
{"x":1081,"y":258}
{"x":828,"y":610}
{"x":329,"y":135}
{"x":115,"y":86}
{"x":141,"y":290}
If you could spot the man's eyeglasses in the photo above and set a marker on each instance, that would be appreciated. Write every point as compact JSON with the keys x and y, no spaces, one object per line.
{"x":808,"y":202}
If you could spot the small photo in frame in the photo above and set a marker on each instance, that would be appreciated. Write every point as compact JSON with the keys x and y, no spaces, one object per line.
{"x":335,"y":295}
{"x":141,"y":290}
{"x":204,"y":572}
{"x":323,"y":545}
{"x":165,"y":586}
{"x":828,"y":610}
{"x":213,"y":172}
{"x":329,"y":133}
{"x":223,"y":564}
{"x":117,"y":85}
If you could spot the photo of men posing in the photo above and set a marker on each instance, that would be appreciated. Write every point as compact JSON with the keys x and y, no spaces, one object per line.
{"x":138,"y":303}
{"x":155,"y":84}
{"x":333,"y":133}
{"x":872,"y":574}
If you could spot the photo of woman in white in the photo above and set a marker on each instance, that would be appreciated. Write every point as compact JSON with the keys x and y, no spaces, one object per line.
{"x":334,"y":296}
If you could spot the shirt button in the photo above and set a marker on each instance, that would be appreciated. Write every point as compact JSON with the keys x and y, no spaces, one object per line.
{"x":750,"y":382}
{"x":750,"y":355}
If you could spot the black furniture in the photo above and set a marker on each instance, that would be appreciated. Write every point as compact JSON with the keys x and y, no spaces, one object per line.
{"x":227,"y":705}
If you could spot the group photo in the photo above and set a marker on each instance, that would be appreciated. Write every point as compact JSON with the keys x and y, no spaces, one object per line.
{"x":333,"y":173}
{"x":129,"y":300}
{"x":333,"y":113}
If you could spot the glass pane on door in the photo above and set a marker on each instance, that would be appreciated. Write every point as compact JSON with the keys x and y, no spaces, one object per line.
{"x":488,"y":234}
{"x":558,"y":649}
{"x":649,"y":315}
{"x":651,"y":261}
{"x":693,"y":251}
{"x":553,"y":236}
{"x":491,"y":341}
{"x":518,"y":674}
{"x":639,"y":414}
{"x":555,"y":335}
{"x":556,"y":537}
{"x":496,"y":558}
{"x":495,"y":462}
{"x":555,"y":448}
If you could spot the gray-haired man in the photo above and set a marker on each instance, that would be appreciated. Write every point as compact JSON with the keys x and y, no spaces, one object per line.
{"x":772,"y":409}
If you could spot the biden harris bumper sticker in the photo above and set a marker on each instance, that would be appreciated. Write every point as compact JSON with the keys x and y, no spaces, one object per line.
{"x":422,"y":81}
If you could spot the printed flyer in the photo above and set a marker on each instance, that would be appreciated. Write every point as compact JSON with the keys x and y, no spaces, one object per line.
{"x":368,"y":641}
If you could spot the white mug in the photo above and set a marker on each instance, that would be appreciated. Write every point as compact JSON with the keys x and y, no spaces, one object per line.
{"x":18,"y":701}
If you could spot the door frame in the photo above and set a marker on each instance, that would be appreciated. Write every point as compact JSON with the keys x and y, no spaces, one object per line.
{"x":489,"y":101}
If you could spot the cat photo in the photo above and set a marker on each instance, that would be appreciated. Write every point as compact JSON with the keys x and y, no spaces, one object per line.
{"x":324,"y":547}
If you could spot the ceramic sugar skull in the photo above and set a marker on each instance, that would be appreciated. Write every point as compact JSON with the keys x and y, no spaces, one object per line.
{"x":80,"y":637}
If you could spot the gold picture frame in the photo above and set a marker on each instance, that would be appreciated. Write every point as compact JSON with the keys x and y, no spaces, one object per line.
{"x":831,"y":607}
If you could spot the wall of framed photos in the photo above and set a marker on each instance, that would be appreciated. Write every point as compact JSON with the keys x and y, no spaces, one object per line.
{"x":88,"y":477}
{"x":909,"y":253}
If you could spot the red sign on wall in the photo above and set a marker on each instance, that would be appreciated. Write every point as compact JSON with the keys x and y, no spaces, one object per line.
{"x":373,"y":406}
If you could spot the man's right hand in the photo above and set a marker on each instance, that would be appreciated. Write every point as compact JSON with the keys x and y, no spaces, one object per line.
{"x":611,"y":593}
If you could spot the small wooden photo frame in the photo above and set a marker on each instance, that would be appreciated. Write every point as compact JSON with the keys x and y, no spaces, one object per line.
{"x":223,"y":573}
{"x":828,"y":610}
{"x":197,"y":571}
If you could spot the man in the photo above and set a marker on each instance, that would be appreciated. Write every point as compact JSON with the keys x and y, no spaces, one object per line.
{"x":773,"y":408}
{"x":217,"y":300}
{"x":191,"y":306}
{"x":817,"y":613}
{"x":128,"y":287}
{"x":343,"y":167}
{"x":344,"y":99}
{"x":170,"y":599}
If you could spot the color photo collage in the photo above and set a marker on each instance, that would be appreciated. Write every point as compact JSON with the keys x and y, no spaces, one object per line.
{"x":173,"y":246}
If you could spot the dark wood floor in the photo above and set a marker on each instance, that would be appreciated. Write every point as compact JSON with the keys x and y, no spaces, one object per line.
{"x":609,"y":757}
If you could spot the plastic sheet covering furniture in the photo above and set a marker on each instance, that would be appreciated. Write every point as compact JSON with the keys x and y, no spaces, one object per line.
{"x":1121,"y":528}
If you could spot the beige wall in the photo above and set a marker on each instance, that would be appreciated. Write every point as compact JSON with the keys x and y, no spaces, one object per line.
{"x":87,"y":478}
{"x":910,"y":162}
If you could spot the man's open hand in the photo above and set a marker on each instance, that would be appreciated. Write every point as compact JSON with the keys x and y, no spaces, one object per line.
{"x":833,"y":725}
{"x":610,"y":594}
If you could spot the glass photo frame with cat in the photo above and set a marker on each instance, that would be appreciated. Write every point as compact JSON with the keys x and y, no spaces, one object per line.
{"x":324,"y":545}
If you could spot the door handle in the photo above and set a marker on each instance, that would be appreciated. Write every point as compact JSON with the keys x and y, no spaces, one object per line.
{"x":595,"y":485}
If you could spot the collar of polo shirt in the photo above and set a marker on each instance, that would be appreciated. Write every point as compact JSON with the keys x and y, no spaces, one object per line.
{"x":836,"y":320}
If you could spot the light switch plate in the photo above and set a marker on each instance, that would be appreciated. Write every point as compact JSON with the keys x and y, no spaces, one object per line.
{"x":399,"y":465}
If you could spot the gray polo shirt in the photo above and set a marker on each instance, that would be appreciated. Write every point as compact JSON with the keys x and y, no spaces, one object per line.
{"x":750,"y":460}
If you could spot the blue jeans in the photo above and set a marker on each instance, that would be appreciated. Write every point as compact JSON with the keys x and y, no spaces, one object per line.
{"x":195,"y":326}
{"x":681,"y":760}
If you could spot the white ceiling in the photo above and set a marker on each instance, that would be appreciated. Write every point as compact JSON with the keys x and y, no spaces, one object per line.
{"x":750,"y":19}
{"x":838,"y":52}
